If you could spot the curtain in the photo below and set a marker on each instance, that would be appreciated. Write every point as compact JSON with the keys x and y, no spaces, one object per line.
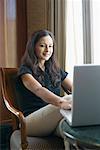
{"x":8,"y":33}
{"x":2,"y":43}
{"x":60,"y":30}
{"x":74,"y":35}
{"x":57,"y":24}
{"x":87,"y":31}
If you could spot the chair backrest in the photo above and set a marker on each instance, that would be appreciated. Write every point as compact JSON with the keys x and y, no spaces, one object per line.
{"x":9,"y":89}
{"x":9,"y":81}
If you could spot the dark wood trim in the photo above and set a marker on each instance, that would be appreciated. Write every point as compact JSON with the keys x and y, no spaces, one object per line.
{"x":21,"y":10}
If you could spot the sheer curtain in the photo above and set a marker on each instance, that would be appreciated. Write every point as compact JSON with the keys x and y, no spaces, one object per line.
{"x":74,"y":34}
{"x":95,"y":6}
{"x":66,"y":23}
{"x":76,"y":27}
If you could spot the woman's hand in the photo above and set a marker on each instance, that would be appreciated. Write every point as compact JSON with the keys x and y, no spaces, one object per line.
{"x":66,"y":102}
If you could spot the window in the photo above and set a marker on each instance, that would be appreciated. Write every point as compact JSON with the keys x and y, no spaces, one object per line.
{"x":96,"y":30}
{"x":83,"y":33}
{"x":74,"y":34}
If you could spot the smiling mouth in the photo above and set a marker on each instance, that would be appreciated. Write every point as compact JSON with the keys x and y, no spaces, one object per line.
{"x":46,"y":55}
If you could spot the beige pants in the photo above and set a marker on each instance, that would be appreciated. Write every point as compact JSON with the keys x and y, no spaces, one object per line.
{"x":41,"y":123}
{"x":44,"y":121}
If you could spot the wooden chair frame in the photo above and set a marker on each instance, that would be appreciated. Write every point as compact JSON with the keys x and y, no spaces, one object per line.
{"x":5,"y":72}
{"x":13,"y":110}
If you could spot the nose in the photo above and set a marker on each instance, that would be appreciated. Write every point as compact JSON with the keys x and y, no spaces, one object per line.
{"x":47,"y":47}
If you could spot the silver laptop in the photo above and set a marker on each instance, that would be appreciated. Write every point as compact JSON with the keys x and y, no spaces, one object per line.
{"x":85,"y":96}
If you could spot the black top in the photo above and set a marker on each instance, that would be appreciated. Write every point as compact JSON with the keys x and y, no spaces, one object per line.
{"x":29,"y":102}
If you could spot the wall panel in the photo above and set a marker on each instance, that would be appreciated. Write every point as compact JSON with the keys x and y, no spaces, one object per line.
{"x":36,"y":15}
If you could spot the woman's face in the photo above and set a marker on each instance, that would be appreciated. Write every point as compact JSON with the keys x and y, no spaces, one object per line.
{"x":44,"y":48}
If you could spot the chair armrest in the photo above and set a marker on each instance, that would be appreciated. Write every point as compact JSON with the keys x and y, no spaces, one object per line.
{"x":13,"y":110}
{"x":21,"y":119}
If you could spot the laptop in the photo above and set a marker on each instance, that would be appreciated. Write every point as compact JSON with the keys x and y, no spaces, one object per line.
{"x":85,"y":96}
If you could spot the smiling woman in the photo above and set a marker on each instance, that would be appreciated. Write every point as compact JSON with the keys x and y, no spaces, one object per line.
{"x":44,"y":50}
{"x":39,"y":83}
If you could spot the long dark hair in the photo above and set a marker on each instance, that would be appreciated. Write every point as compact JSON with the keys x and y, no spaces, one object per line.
{"x":30,"y":59}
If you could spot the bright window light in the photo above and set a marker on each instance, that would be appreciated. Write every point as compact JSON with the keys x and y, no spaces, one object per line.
{"x":96,"y":31}
{"x":74,"y":34}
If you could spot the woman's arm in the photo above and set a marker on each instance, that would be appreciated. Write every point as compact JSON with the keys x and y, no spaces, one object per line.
{"x":67,"y":85}
{"x":34,"y":86}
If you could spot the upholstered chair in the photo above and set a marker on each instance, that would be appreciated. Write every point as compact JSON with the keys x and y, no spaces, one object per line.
{"x":19,"y":139}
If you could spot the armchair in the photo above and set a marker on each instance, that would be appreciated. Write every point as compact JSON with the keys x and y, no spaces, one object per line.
{"x":19,"y":139}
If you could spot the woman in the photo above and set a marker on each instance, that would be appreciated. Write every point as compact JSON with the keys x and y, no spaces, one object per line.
{"x":39,"y":83}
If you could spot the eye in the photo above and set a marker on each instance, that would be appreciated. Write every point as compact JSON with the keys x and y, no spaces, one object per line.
{"x":50,"y":46}
{"x":42,"y":45}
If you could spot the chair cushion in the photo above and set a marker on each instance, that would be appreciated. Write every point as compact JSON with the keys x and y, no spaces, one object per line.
{"x":37,"y":143}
